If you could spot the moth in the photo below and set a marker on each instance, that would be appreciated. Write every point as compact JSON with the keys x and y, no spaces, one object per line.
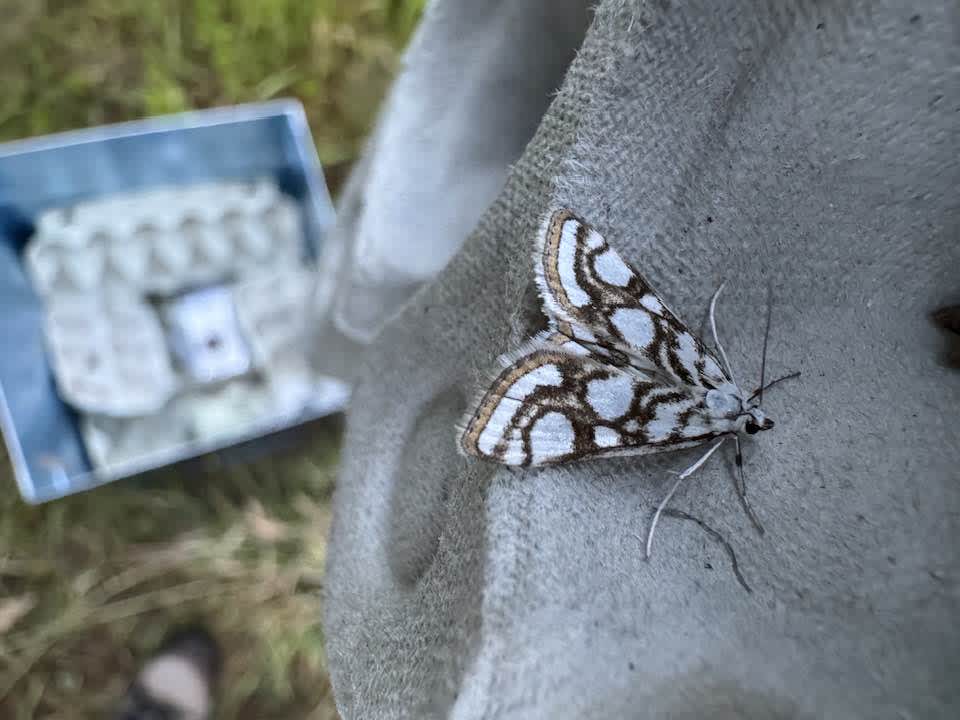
{"x":615,"y":373}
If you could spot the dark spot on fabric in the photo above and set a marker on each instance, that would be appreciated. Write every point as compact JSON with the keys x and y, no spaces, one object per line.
{"x":820,"y":26}
{"x":709,"y":218}
{"x":631,"y":666}
{"x":914,"y":19}
{"x":708,"y":566}
{"x":948,"y":319}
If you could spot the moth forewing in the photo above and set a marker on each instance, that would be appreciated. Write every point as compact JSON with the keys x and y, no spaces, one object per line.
{"x":556,"y":401}
{"x":589,"y":289}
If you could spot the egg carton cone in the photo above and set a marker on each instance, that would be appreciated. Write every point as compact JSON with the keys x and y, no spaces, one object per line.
{"x":273,"y":311}
{"x":113,"y":442}
{"x":108,"y":353}
{"x":230,"y":411}
{"x":166,"y":240}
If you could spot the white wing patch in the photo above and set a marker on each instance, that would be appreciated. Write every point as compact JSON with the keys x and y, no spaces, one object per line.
{"x":566,"y":268}
{"x":500,"y":418}
{"x":611,"y":397}
{"x":635,"y":326}
{"x":547,"y":375}
{"x":611,"y":269}
{"x":551,"y":436}
{"x":606,"y":437}
{"x":665,"y":420}
{"x":653,"y":304}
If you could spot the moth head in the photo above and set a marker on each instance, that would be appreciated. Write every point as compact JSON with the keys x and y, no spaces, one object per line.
{"x":729,"y":403}
{"x":755,"y":421}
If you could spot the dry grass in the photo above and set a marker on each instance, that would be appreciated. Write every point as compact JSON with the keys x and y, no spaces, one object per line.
{"x":99,"y":578}
{"x":88,"y":585}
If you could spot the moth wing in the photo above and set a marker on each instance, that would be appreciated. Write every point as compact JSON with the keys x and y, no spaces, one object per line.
{"x":554,"y":401}
{"x":596,"y":297}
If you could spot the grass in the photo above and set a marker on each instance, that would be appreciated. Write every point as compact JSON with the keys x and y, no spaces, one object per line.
{"x":74,"y":63}
{"x":105,"y":574}
{"x":89,"y":584}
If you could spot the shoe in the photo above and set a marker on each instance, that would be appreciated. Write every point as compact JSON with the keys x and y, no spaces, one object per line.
{"x":178,"y":682}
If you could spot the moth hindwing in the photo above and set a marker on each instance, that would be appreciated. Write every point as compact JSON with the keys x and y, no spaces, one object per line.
{"x":616,"y":373}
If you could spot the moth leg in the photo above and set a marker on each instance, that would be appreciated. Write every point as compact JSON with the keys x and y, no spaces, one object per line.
{"x":663,"y":503}
{"x":679,"y":514}
{"x":741,"y":486}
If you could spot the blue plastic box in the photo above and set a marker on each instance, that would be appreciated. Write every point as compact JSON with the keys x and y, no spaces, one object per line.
{"x":238,"y":143}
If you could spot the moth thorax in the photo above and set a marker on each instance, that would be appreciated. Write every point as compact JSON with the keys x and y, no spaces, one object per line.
{"x":724,"y":404}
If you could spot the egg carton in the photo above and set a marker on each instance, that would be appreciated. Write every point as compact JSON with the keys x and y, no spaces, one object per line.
{"x":108,"y":354}
{"x":245,"y":407}
{"x":115,"y":354}
{"x":254,"y":377}
{"x":207,"y":416}
{"x":176,"y":316}
{"x":273,"y":311}
{"x":162,"y":241}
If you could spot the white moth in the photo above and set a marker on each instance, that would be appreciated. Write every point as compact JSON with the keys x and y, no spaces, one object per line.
{"x":615,"y":373}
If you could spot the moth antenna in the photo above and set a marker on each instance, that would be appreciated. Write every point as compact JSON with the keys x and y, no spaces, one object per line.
{"x":716,"y":338}
{"x":790,"y":376}
{"x":766,"y":337}
{"x":663,"y":503}
{"x":742,"y":490}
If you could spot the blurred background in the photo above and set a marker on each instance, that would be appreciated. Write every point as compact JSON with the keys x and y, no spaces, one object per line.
{"x":90,"y":584}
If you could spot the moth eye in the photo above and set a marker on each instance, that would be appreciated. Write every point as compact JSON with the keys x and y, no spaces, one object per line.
{"x":751,"y":427}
